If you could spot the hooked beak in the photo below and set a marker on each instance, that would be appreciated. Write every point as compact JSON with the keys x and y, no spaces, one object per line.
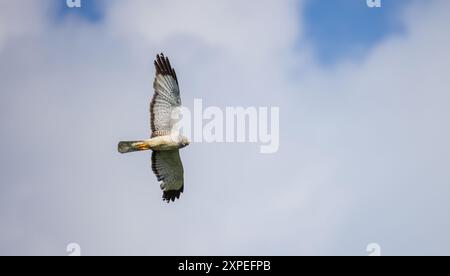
{"x":186,"y":143}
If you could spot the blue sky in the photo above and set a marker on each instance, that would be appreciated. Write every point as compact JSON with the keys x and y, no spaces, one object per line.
{"x":347,"y":28}
{"x":91,"y":10}
{"x":337,"y":29}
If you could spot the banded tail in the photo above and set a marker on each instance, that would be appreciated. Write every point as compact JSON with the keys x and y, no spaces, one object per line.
{"x":130,"y":146}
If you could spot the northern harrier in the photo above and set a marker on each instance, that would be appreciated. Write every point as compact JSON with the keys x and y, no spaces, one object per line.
{"x":165,"y":140}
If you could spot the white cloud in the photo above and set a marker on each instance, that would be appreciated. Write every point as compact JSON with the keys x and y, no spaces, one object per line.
{"x":234,"y":26}
{"x":363,"y":147}
{"x":19,"y":19}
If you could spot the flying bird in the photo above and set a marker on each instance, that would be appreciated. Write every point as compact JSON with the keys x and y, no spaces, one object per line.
{"x":165,"y":140}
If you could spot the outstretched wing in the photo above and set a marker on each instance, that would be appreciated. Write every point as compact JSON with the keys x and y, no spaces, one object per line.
{"x":164,"y":107}
{"x":168,"y":169}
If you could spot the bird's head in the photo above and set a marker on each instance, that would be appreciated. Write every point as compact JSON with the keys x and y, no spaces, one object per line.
{"x":184,"y":141}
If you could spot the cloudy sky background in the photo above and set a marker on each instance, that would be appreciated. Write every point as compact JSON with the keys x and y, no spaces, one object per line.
{"x":364,"y":134}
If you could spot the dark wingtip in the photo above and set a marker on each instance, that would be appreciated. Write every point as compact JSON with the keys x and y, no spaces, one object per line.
{"x":163,"y":67}
{"x":171,"y":195}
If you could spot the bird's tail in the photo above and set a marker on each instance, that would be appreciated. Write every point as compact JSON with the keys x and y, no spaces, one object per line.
{"x":130,"y":146}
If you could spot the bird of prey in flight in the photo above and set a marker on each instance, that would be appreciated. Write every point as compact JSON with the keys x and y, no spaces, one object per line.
{"x":165,"y":140}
